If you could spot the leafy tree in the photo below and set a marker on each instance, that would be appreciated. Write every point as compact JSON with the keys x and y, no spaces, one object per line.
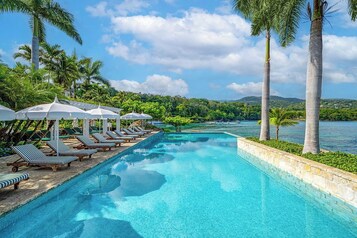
{"x":154,"y":109}
{"x":19,"y":90}
{"x":90,"y":71}
{"x":41,"y":11}
{"x":177,"y":122}
{"x":280,"y":118}
{"x":65,"y":70}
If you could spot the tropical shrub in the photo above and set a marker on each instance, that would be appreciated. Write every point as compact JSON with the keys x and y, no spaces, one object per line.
{"x":340,"y":160}
{"x":177,"y":122}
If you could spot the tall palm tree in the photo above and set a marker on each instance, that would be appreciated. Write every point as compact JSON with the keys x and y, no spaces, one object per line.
{"x":39,"y":12}
{"x":280,"y":118}
{"x":90,"y":71}
{"x":267,"y":16}
{"x":317,"y":16}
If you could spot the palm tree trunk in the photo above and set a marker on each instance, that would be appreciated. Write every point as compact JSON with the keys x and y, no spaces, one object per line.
{"x":35,"y":45}
{"x":265,"y":127}
{"x":314,"y":83}
{"x":277,"y":133}
{"x":74,"y":88}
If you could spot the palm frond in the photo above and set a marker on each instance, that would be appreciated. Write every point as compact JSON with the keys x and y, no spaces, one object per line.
{"x":41,"y":31}
{"x":24,"y":52}
{"x":62,"y":19}
{"x":288,"y":20}
{"x":352,"y":9}
{"x":13,"y":6}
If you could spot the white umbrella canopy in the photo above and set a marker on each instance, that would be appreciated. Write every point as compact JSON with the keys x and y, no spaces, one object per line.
{"x":100,"y":113}
{"x":132,"y":116}
{"x":146,"y":116}
{"x":52,"y":111}
{"x":6,"y":114}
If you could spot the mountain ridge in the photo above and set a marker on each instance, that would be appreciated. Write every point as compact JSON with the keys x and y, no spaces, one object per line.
{"x":277,"y":101}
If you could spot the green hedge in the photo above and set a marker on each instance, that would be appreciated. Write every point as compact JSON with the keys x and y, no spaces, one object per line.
{"x":341,"y":160}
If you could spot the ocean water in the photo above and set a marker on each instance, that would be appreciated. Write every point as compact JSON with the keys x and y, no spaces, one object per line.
{"x":334,"y":136}
{"x":180,"y":185}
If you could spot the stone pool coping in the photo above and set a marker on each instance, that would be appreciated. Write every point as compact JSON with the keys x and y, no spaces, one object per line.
{"x":336,"y":182}
{"x":42,"y":180}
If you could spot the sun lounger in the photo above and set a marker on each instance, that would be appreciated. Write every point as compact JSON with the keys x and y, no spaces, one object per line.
{"x":132,"y":133}
{"x":140,"y":128}
{"x":114,"y":136}
{"x":71,"y":132}
{"x":89,"y":144}
{"x":101,"y":139}
{"x":137,"y":132}
{"x":65,"y":150}
{"x":119,"y":133}
{"x":93,"y":129}
{"x":31,"y":156}
{"x":12,"y":179}
{"x":78,"y":130}
{"x":135,"y":128}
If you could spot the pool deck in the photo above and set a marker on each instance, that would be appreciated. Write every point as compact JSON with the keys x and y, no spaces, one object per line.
{"x":44,"y":179}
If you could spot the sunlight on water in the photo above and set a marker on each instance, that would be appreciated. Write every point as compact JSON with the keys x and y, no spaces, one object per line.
{"x":183,"y":185}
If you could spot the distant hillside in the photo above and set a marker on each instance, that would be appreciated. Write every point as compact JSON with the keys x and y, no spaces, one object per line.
{"x":296,"y":103}
{"x":275,"y":101}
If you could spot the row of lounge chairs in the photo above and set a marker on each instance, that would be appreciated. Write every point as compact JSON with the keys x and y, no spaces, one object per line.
{"x":31,"y":156}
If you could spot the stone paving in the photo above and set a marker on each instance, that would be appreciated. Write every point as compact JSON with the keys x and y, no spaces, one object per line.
{"x":43,"y":179}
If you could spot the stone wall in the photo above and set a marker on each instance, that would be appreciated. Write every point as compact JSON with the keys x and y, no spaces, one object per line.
{"x":333,"y":181}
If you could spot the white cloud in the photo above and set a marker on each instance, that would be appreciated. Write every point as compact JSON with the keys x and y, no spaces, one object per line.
{"x":226,"y":8}
{"x":249,"y":89}
{"x":154,"y":84}
{"x":131,"y":6}
{"x":123,"y":9}
{"x":202,"y":40}
{"x":99,"y":10}
{"x":2,"y":52}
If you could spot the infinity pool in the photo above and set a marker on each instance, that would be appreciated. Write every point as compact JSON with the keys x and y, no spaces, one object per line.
{"x":177,"y":185}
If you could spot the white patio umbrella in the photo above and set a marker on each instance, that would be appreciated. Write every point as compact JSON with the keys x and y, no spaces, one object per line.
{"x":103,"y":114}
{"x":52,"y":111}
{"x":132,"y":116}
{"x":6,"y":114}
{"x":146,"y":116}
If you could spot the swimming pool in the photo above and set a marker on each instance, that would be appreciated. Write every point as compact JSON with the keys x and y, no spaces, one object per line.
{"x":176,"y":185}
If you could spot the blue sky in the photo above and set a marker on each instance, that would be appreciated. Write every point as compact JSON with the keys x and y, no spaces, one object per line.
{"x":193,"y":48}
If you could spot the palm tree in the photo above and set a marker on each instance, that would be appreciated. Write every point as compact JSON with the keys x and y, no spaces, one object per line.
{"x":65,"y":71}
{"x":24,"y":53}
{"x":279,"y":117}
{"x":267,"y":16}
{"x":90,"y":71}
{"x":317,"y":16}
{"x":41,"y":11}
{"x":50,"y":55}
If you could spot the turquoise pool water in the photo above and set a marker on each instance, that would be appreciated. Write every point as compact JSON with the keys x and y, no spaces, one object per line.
{"x":178,"y":185}
{"x":334,"y":135}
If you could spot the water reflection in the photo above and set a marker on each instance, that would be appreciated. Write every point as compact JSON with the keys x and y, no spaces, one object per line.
{"x":104,"y":182}
{"x":103,"y":227}
{"x":137,"y":182}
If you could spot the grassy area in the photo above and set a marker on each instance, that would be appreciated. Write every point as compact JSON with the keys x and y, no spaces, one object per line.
{"x":340,"y":160}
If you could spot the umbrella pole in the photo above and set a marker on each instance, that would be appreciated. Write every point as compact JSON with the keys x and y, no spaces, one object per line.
{"x":57,"y":134}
